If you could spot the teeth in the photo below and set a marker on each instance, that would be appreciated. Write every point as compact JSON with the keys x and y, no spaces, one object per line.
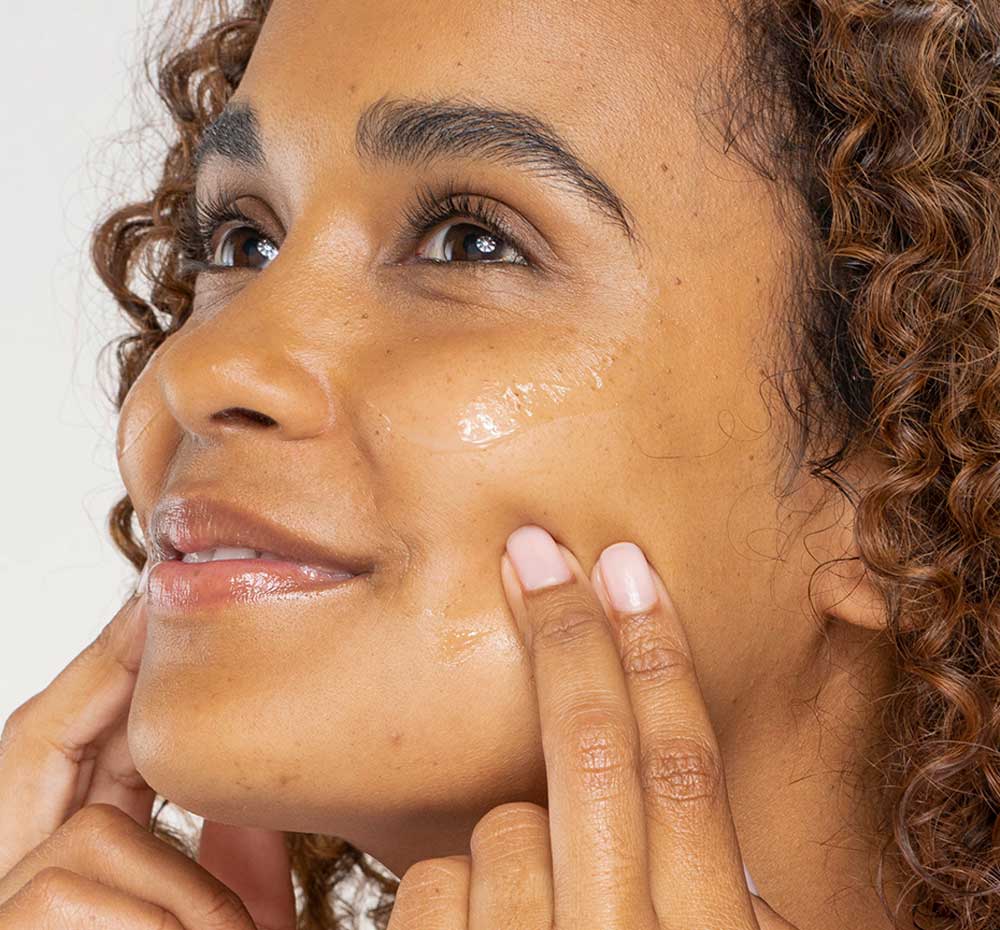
{"x":221,"y":552}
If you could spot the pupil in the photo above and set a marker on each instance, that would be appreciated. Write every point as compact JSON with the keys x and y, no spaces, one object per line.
{"x":254,"y":246}
{"x":478,"y":243}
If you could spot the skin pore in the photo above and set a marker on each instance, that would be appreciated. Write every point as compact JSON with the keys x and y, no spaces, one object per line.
{"x":610,"y":389}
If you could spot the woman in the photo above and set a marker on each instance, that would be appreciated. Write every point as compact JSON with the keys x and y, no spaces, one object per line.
{"x":604,"y":397}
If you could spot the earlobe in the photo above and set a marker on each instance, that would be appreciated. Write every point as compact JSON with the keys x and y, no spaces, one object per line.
{"x":841,"y":588}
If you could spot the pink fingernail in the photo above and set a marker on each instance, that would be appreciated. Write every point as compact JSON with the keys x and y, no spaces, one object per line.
{"x":536,"y":558}
{"x":627,"y":578}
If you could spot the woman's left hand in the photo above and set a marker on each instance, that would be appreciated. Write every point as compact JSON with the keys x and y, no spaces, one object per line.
{"x":638,"y":834}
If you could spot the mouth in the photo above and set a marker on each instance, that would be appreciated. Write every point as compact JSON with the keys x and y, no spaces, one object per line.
{"x":208,"y":553}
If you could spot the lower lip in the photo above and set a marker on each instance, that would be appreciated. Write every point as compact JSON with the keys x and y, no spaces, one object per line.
{"x":178,"y":585}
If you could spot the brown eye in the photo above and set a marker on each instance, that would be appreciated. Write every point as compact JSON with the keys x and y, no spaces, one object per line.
{"x":236,"y":250}
{"x":468,"y":242}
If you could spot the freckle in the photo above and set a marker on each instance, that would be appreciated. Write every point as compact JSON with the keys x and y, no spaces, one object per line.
{"x":756,"y":278}
{"x":694,"y":212}
{"x":677,"y":280}
{"x":663,"y":167}
{"x":351,"y":88}
{"x":396,"y":739}
{"x":420,"y":45}
{"x":458,"y":64}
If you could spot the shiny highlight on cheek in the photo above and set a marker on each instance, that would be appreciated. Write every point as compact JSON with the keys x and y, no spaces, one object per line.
{"x":473,"y":413}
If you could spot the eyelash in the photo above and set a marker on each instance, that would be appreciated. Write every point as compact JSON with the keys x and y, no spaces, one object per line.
{"x":430,"y":208}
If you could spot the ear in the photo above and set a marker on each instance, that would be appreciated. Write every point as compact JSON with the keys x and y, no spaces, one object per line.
{"x":843,"y":591}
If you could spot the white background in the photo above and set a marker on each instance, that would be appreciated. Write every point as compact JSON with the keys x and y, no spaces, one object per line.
{"x":72,"y":102}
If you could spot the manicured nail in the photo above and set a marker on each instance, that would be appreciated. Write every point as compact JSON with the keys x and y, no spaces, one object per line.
{"x":627,"y":578}
{"x":141,"y":584}
{"x":536,"y":558}
{"x":751,"y":887}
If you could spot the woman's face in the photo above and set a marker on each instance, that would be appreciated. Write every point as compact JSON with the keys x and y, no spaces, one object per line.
{"x":610,"y":388}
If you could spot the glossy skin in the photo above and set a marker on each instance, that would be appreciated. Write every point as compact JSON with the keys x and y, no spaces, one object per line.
{"x":397,"y":712}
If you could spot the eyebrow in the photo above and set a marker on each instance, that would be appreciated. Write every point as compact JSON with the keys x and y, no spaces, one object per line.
{"x":406,"y":131}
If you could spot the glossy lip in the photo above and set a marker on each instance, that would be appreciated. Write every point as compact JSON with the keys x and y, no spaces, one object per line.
{"x":180,"y":525}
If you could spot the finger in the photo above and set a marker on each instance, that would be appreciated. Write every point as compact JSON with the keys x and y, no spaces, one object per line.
{"x":114,"y":779}
{"x":511,"y":873}
{"x":768,"y":917}
{"x":106,"y":845}
{"x":254,"y":863}
{"x":57,"y":898}
{"x":433,"y":895}
{"x":53,"y":738}
{"x":589,"y":737}
{"x":697,"y":877}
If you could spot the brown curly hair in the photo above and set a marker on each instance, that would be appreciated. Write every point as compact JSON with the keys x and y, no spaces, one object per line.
{"x":882,"y":118}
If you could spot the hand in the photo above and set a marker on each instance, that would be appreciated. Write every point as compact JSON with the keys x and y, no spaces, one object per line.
{"x":75,"y":848}
{"x":638,"y":834}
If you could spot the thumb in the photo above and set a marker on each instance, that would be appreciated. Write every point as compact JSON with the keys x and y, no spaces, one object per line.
{"x":254,"y":863}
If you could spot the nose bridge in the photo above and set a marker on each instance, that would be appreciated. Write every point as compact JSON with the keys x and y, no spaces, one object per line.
{"x":229,"y":371}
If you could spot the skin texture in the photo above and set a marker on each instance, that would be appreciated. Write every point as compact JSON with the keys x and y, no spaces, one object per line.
{"x":395,"y":713}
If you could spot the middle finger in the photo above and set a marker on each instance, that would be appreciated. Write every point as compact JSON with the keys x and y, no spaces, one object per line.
{"x":590,"y":737}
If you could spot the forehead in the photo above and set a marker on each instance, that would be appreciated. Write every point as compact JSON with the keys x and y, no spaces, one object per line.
{"x":612,"y":73}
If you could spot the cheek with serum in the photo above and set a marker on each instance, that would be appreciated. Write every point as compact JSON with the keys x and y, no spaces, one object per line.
{"x":443,"y":407}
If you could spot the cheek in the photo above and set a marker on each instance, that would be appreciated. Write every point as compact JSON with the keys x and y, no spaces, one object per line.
{"x":471,"y":396}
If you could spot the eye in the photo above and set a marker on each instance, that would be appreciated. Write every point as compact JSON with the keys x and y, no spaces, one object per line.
{"x":469,"y":242}
{"x":456,"y":228}
{"x":241,"y":244}
{"x":215,"y":235}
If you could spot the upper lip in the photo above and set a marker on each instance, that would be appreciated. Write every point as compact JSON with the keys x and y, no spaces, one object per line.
{"x":179,"y":525}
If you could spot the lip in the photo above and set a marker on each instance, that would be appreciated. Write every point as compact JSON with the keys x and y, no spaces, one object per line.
{"x":180,"y":525}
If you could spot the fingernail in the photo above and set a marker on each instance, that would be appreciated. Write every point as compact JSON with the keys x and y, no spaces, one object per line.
{"x":627,"y":578}
{"x":750,"y":885}
{"x":140,"y":587}
{"x":536,"y":558}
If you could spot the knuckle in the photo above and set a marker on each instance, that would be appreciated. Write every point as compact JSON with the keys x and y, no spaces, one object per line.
{"x":103,"y":644}
{"x":163,"y":920}
{"x":52,"y":884}
{"x":433,"y":892}
{"x":514,"y":826}
{"x":223,"y":908}
{"x":563,"y":619}
{"x":648,"y":656}
{"x":681,"y":773}
{"x":603,"y":749}
{"x":101,"y":822}
{"x":433,"y":875}
{"x":18,"y":720}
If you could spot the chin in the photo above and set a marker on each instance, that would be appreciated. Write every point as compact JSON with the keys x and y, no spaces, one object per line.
{"x":364,"y":765}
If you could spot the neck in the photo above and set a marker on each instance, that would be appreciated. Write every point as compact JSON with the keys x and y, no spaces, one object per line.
{"x":801,"y":789}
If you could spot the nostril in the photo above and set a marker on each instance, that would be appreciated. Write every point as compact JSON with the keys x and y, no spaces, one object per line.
{"x":231,"y":413}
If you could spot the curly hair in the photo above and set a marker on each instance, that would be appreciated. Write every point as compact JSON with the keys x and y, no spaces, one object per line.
{"x":882,"y":118}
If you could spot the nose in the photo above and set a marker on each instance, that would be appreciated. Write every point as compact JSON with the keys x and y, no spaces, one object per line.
{"x":216,"y":377}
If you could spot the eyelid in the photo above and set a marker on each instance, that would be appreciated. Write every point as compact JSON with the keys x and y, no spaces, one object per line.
{"x":521,"y":232}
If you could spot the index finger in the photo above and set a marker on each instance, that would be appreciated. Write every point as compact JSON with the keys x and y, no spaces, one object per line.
{"x":50,"y":745}
{"x":698,"y":877}
{"x":589,"y":738}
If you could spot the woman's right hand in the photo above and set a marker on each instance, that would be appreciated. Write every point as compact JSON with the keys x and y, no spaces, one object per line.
{"x":74,"y":845}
